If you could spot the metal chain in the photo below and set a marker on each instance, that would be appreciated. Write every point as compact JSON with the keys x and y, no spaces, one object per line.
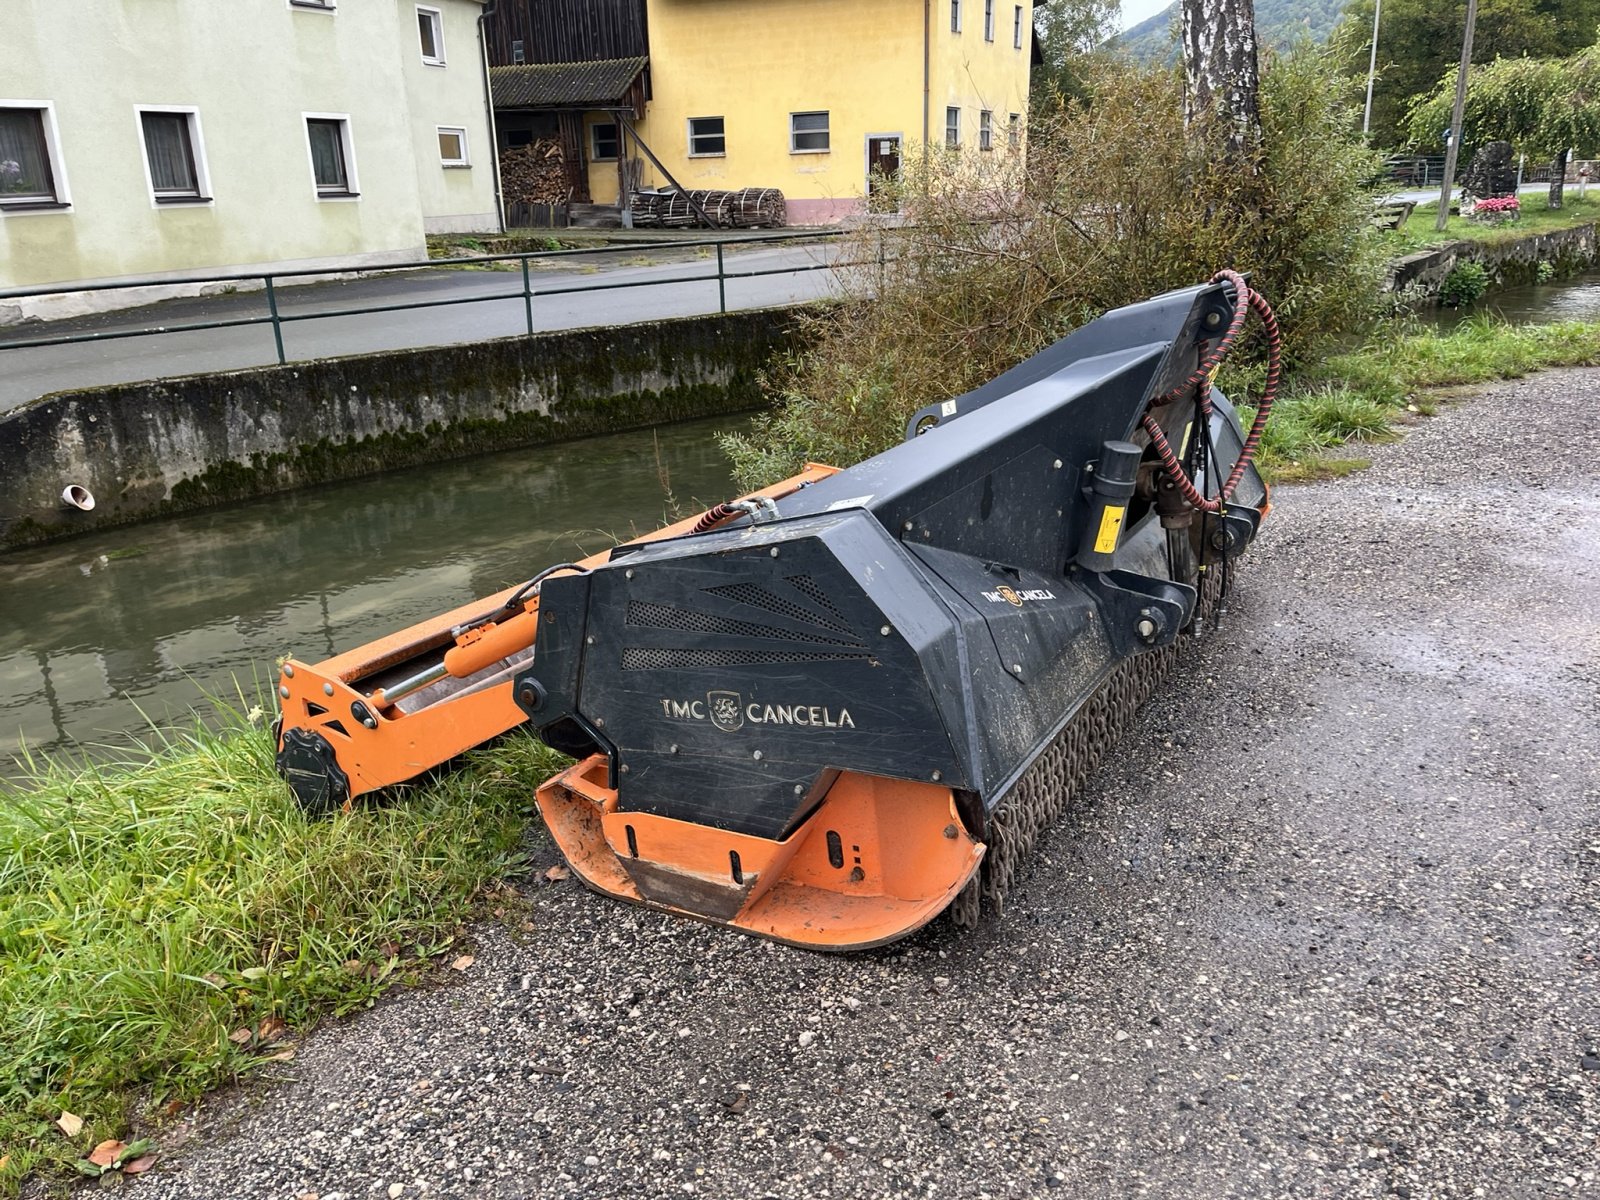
{"x":1057,"y":776}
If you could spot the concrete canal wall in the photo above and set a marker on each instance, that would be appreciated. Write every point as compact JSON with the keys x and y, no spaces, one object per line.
{"x":149,"y":449}
{"x":1510,"y":264}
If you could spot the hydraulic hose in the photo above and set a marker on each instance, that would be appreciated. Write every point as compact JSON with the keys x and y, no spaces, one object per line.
{"x":1246,"y":300}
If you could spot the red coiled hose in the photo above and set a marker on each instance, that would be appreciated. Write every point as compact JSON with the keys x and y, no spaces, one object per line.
{"x":1245,"y":300}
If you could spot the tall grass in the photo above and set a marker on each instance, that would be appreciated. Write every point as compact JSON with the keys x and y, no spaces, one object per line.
{"x":153,"y":905}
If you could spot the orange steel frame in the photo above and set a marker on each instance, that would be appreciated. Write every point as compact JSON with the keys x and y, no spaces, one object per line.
{"x":401,"y":745}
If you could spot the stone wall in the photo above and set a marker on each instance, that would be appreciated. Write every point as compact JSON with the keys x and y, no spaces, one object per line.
{"x":148,"y":449}
{"x":1513,"y":263}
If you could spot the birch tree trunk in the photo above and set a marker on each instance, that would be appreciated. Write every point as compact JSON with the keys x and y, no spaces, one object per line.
{"x":1221,"y":78}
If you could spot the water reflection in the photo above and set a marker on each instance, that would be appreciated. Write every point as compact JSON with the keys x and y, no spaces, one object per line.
{"x":150,"y":618}
{"x":1574,"y":299}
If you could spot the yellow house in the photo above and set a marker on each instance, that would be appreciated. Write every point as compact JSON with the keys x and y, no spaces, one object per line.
{"x":806,"y":96}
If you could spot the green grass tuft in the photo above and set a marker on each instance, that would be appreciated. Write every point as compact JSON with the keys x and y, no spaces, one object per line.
{"x":152,"y":905}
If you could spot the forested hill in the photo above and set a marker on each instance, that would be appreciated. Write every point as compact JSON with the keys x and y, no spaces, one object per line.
{"x":1279,"y":23}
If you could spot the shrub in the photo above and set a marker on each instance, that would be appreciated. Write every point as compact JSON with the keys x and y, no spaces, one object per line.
{"x":1116,"y":201}
{"x":1466,"y":282}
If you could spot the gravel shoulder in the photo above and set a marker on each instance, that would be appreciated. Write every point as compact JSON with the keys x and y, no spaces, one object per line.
{"x":1327,"y":923}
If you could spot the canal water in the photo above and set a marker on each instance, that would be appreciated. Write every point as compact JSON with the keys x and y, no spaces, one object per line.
{"x":1573,"y":299}
{"x":107,"y":633}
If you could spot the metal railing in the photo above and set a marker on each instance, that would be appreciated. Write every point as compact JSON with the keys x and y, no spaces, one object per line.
{"x":278,"y":318}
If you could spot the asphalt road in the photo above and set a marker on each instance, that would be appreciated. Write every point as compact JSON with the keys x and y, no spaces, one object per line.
{"x":640,"y":288}
{"x":1326,"y":924}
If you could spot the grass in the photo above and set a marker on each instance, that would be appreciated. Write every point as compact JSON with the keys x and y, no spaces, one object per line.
{"x":152,"y":906}
{"x":1537,"y":217}
{"x":1361,"y":395}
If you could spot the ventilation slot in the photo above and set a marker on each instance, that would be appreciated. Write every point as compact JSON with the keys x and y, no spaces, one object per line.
{"x":650,"y":658}
{"x":808,"y":588}
{"x":757,"y":596}
{"x":734,"y":868}
{"x":659,"y":616}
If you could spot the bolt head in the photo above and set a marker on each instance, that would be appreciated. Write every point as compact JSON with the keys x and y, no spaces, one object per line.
{"x":288,"y":670}
{"x":672,"y":749}
{"x":624,"y":768}
{"x":370,"y":723}
{"x":628,"y":574}
{"x":773,"y":552}
{"x":936,"y":776}
{"x":885,"y":630}
{"x":1016,"y":668}
{"x":1057,"y":464}
{"x":327,"y":689}
{"x":756,"y":755}
{"x":283,"y":691}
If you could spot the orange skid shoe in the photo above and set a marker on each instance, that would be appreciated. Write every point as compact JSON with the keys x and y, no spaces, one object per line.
{"x":879,"y":859}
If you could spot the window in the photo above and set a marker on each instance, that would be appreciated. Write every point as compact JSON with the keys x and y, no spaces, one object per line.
{"x":517,"y":55}
{"x":955,"y":16}
{"x":707,"y":139}
{"x":332,"y":159}
{"x":808,"y":133}
{"x":430,"y":28}
{"x":30,"y":175}
{"x":985,"y":130}
{"x":177,"y":172}
{"x":324,"y":5}
{"x":988,"y":20}
{"x":952,"y":128}
{"x":1014,"y":131}
{"x":1016,"y":27}
{"x":452,"y":147}
{"x":604,"y":143}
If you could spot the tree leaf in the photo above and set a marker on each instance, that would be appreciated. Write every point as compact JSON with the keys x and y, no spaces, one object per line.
{"x":139,"y":1165}
{"x":240,"y":1037}
{"x":69,"y":1123}
{"x":462,"y":963}
{"x":557,"y":873}
{"x":271,"y":1031}
{"x":107,"y":1152}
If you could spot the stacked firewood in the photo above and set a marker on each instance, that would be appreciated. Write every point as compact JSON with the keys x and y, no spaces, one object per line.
{"x":534,"y":174}
{"x":743,"y":209}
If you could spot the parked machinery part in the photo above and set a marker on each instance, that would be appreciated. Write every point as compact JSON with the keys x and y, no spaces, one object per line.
{"x":829,"y":712}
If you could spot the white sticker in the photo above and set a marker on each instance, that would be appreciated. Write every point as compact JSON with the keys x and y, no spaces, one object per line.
{"x":947,"y":409}
{"x":853,"y":502}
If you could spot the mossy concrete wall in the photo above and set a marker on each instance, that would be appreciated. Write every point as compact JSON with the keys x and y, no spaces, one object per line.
{"x":149,"y":449}
{"x":1513,"y":263}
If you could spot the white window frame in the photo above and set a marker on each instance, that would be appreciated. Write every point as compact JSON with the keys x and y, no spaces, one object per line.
{"x":1016,"y":29}
{"x":1014,"y":132}
{"x":594,"y":145}
{"x":985,"y":129}
{"x":723,"y":153}
{"x":436,"y":16}
{"x":952,"y":127}
{"x":197,"y":150}
{"x":326,"y":6}
{"x":955,"y":16}
{"x":812,"y":112}
{"x":466,"y":157}
{"x":346,"y":143}
{"x":58,"y":167}
{"x":988,"y":20}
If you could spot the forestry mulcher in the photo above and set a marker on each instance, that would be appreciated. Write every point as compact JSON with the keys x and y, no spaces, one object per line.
{"x":832,"y":709}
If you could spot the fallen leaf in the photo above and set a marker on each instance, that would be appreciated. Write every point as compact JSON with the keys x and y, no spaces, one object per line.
{"x":139,"y":1165}
{"x":390,"y":949}
{"x":355,"y":966}
{"x":271,"y":1031}
{"x":557,"y":873}
{"x":283,"y":1055}
{"x":462,"y":963}
{"x":4,"y":1159}
{"x":240,"y":1037}
{"x":69,"y":1123}
{"x":173,"y":1108}
{"x":107,"y":1153}
{"x":254,"y":972}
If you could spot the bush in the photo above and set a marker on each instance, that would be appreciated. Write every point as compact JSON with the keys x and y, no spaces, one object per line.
{"x":1116,"y":201}
{"x":1464,"y":285}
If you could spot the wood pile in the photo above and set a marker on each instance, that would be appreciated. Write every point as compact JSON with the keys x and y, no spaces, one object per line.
{"x":535,"y":174}
{"x":746,"y":208}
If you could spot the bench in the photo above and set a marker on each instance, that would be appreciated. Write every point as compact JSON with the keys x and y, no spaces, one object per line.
{"x":1392,"y":215}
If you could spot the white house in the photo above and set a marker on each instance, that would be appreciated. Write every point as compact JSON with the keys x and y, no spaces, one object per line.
{"x":190,"y":137}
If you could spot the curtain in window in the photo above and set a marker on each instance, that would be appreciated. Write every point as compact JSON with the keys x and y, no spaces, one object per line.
{"x":24,"y":166}
{"x":166,"y":142}
{"x":327,"y":155}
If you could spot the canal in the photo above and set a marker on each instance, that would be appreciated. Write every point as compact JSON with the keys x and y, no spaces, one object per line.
{"x":1573,"y":299}
{"x":108,"y":633}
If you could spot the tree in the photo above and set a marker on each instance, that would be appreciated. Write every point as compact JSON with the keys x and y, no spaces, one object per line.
{"x":1222,"y":80}
{"x":1419,"y":40}
{"x":1070,"y":33}
{"x":1542,"y":106}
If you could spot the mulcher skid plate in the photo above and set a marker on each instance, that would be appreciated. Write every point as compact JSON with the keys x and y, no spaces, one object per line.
{"x":830,"y":726}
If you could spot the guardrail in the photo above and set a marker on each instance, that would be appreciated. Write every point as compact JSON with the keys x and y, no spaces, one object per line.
{"x":277,"y":318}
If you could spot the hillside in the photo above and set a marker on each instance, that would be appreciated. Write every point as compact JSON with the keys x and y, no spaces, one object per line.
{"x":1279,"y":22}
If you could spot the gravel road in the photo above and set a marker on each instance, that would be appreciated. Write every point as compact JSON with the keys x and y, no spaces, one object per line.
{"x":1326,"y":924}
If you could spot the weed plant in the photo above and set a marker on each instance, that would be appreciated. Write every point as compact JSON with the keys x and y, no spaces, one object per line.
{"x":152,"y":905}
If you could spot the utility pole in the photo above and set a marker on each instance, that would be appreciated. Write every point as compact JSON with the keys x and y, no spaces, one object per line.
{"x":1372,"y":67}
{"x":1451,"y":150}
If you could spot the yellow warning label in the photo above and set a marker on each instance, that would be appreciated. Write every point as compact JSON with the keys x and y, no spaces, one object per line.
{"x":1110,"y":525}
{"x":1183,"y":450}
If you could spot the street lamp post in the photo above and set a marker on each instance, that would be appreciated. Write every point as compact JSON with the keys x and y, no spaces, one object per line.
{"x":1455,"y":119}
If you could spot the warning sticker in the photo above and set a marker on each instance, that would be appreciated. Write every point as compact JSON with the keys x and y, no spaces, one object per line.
{"x":1110,"y":526}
